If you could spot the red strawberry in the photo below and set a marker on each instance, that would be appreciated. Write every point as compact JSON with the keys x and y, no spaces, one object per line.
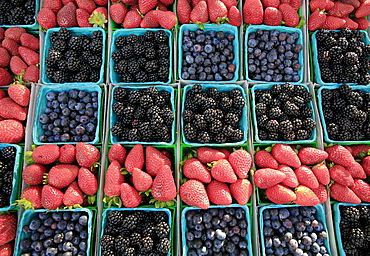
{"x":32,"y":74}
{"x":8,"y":227}
{"x":64,"y":2}
{"x":290,"y":15}
{"x":73,"y":195}
{"x":225,"y":151}
{"x":354,"y":3}
{"x":166,"y":2}
{"x":86,"y":154}
{"x":321,"y":193}
{"x":147,"y":5}
{"x":356,"y":171}
{"x":29,"y":56}
{"x":54,"y":5}
{"x":87,"y":181}
{"x":271,"y":3}
{"x":272,"y":16}
{"x":6,"y":249}
{"x":349,"y":148}
{"x":360,"y":151}
{"x":219,"y":193}
{"x":154,"y":160}
{"x":14,"y":33}
{"x":366,"y":165}
{"x":363,"y":23}
{"x":20,"y":94}
{"x":88,"y":5}
{"x":66,"y":16}
{"x":193,"y":193}
{"x":142,"y":181}
{"x":31,"y":198}
{"x":67,"y":154}
{"x":241,"y":190}
{"x":5,"y":58}
{"x":321,"y":173}
{"x":167,"y":19}
{"x":130,"y":196}
{"x":117,"y":152}
{"x":321,"y":5}
{"x":183,"y":11}
{"x":296,"y":4}
{"x":101,"y":2}
{"x":241,"y":161}
{"x":200,"y":13}
{"x":306,"y":177}
{"x":217,"y":11}
{"x":195,"y":2}
{"x":51,"y":198}
{"x":134,"y":4}
{"x":266,"y":177}
{"x":229,"y":3}
{"x":82,"y":17}
{"x":194,"y":169}
{"x":150,"y":20}
{"x":311,"y":155}
{"x":291,"y":179}
{"x":223,"y":171}
{"x":11,"y":131}
{"x":284,"y":154}
{"x":46,"y":18}
{"x":305,"y":196}
{"x":132,"y":20}
{"x":264,"y":159}
{"x":235,"y":18}
{"x":117,"y":12}
{"x":340,"y":9}
{"x":2,"y":32}
{"x":280,"y":194}
{"x":99,"y":17}
{"x":135,"y":158}
{"x":167,"y":153}
{"x":46,"y":154}
{"x":207,"y":155}
{"x":11,"y":46}
{"x":361,"y":189}
{"x":17,"y":65}
{"x":34,"y":174}
{"x":10,"y":109}
{"x":363,"y":10}
{"x":164,"y":187}
{"x":343,"y":194}
{"x":62,"y":175}
{"x":253,"y":12}
{"x":340,"y":155}
{"x":350,"y":23}
{"x":2,"y":94}
{"x":333,"y":23}
{"x":113,"y":179}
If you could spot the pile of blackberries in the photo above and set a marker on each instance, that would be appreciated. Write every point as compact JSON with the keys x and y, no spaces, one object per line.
{"x":273,"y":56}
{"x":208,"y":56}
{"x":17,"y":12}
{"x":74,"y":58}
{"x":70,"y":116}
{"x":7,"y":163}
{"x":283,"y":113}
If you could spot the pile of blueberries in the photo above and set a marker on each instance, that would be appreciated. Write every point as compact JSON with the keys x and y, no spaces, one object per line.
{"x":273,"y":56}
{"x":70,"y":116}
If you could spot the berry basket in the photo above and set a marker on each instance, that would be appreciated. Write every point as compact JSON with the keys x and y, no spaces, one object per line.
{"x":280,"y":29}
{"x":75,"y":32}
{"x":207,"y":28}
{"x":33,"y":26}
{"x":42,"y":105}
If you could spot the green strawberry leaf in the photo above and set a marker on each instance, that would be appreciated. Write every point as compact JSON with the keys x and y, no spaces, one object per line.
{"x":98,"y":20}
{"x":27,"y":205}
{"x":28,"y":157}
{"x":91,"y":199}
{"x":268,"y":149}
{"x":301,"y":23}
{"x":146,"y":193}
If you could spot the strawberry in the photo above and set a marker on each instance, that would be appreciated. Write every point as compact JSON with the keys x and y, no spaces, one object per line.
{"x":207,"y":155}
{"x":135,"y":158}
{"x":193,"y":193}
{"x":284,"y":154}
{"x":167,"y":153}
{"x":241,"y":162}
{"x":62,"y":175}
{"x":217,"y":11}
{"x":46,"y":18}
{"x":291,"y":179}
{"x":10,"y":109}
{"x":154,"y":160}
{"x":272,"y":16}
{"x":2,"y":94}
{"x":253,"y":12}
{"x":51,"y":198}
{"x":363,"y":23}
{"x":88,"y":5}
{"x":223,"y":171}
{"x":349,"y":148}
{"x":194,"y":169}
{"x":360,"y":151}
{"x":66,"y":16}
{"x":161,"y":6}
{"x":183,"y":11}
{"x":321,"y":193}
{"x":350,"y":24}
{"x":54,"y":5}
{"x":195,"y":2}
{"x":200,"y":13}
{"x":130,"y":196}
{"x":117,"y":152}
{"x":356,"y":171}
{"x":219,"y":193}
{"x":65,"y":2}
{"x":29,"y":56}
{"x":5,"y":58}
{"x":296,"y":4}
{"x":266,"y":177}
{"x":147,"y":5}
{"x":290,"y":15}
{"x":113,"y":179}
{"x":264,"y":159}
{"x":306,"y":177}
{"x":361,"y":189}
{"x":117,"y":12}
{"x":134,"y":4}
{"x":333,"y":23}
{"x":167,"y":19}
{"x":87,"y":181}
{"x":99,"y":17}
{"x":363,"y":10}
{"x":164,"y":187}
{"x":150,"y":20}
{"x":82,"y":17}
{"x":101,"y":2}
{"x":366,"y":165}
{"x":142,"y":181}
{"x":2,"y":32}
{"x":340,"y":155}
{"x":343,"y":194}
{"x":166,"y":2}
{"x":73,"y":195}
{"x":14,"y":33}
{"x":311,"y":155}
{"x":235,"y":18}
{"x":321,"y":173}
{"x":225,"y":151}
{"x":280,"y":194}
{"x":340,"y":9}
{"x":241,"y":190}
{"x":46,"y":154}
{"x":20,"y":94}
{"x":305,"y":196}
{"x":271,"y":3}
{"x":11,"y":46}
{"x":321,"y":5}
{"x":8,"y":227}
{"x":86,"y":154}
{"x":354,"y":3}
{"x":11,"y":131}
{"x":32,"y":74}
{"x":17,"y":65}
{"x":67,"y":154}
{"x":34,"y":174}
{"x":6,"y":249}
{"x":31,"y":198}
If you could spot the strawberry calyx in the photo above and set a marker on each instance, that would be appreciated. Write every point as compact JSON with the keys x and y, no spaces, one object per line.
{"x":161,"y":204}
{"x":98,"y":19}
{"x":45,"y":176}
{"x":331,"y":183}
{"x":183,"y":180}
{"x":138,"y":11}
{"x":331,"y":165}
{"x":301,"y":22}
{"x":71,"y":207}
{"x":222,"y":20}
{"x":211,"y":164}
{"x":113,"y":200}
{"x":91,"y":199}
{"x":27,"y":205}
{"x":146,"y":193}
{"x":28,"y":157}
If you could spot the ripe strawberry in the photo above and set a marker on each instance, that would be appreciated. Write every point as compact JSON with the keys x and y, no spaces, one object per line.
{"x":219,"y":193}
{"x":311,"y":155}
{"x":32,"y":74}
{"x":62,"y":175}
{"x":46,"y":154}
{"x":20,"y":94}
{"x":31,"y":198}
{"x":363,"y":23}
{"x":350,"y":24}
{"x":8,"y":227}
{"x":6,"y":249}
{"x":54,"y":5}
{"x":88,"y":5}
{"x":130,"y":197}
{"x":86,"y":154}
{"x":217,"y":11}
{"x":194,"y":169}
{"x":5,"y":58}
{"x":366,"y":165}
{"x":207,"y":155}
{"x":29,"y":56}
{"x":321,"y":5}
{"x":82,"y":17}
{"x":264,"y":159}
{"x":150,"y":20}
{"x":225,"y":151}
{"x":113,"y":179}
{"x":73,"y":195}
{"x":200,"y":13}
{"x":132,"y":20}
{"x":195,"y":2}
{"x":266,"y":177}
{"x":66,"y":16}
{"x":340,"y":155}
{"x":117,"y":152}
{"x":117,"y":12}
{"x":17,"y":65}
{"x":291,"y":179}
{"x":64,"y":2}
{"x":223,"y":171}
{"x":147,"y":5}
{"x":306,"y":177}
{"x":356,"y":171}
{"x":164,"y":187}
{"x":343,"y":194}
{"x":360,"y":151}
{"x":135,"y":158}
{"x":229,"y":3}
{"x":34,"y":174}
{"x":272,"y":16}
{"x":11,"y":131}
{"x":141,"y":180}
{"x":321,"y":173}
{"x":10,"y":109}
{"x":167,"y":19}
{"x":305,"y":196}
{"x":154,"y":160}
{"x":241,"y":162}
{"x":321,"y":193}
{"x":271,"y":3}
{"x":2,"y":32}
{"x":99,"y":17}
{"x":253,"y":12}
{"x":235,"y":18}
{"x":354,"y":3}
{"x":87,"y":181}
{"x":11,"y":46}
{"x":67,"y":154}
{"x":363,"y":10}
{"x":284,"y":154}
{"x":101,"y":2}
{"x":290,"y":15}
{"x":296,"y":4}
{"x":340,"y":9}
{"x":166,"y":2}
{"x":361,"y":189}
{"x":183,"y":11}
{"x":134,"y":4}
{"x":46,"y":18}
{"x":241,"y":190}
{"x":280,"y":194}
{"x":2,"y":94}
{"x":333,"y":23}
{"x":194,"y":193}
{"x":51,"y":198}
{"x":14,"y":33}
{"x":349,"y":148}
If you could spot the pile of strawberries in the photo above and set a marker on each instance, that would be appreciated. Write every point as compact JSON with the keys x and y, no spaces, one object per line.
{"x":146,"y":177}
{"x":215,"y":11}
{"x":19,"y":56}
{"x":223,"y":173}
{"x":65,"y":176}
{"x":143,"y":13}
{"x":272,"y":12}
{"x":8,"y":231}
{"x":73,"y":13}
{"x":329,"y":14}
{"x":283,"y":168}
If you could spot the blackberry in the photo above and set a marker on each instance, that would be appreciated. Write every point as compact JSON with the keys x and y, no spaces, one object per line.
{"x":127,"y":52}
{"x":261,"y":120}
{"x":357,"y":237}
{"x":132,"y":39}
{"x":156,"y":121}
{"x":129,"y":251}
{"x":75,"y":43}
{"x":291,"y":109}
{"x":53,"y":58}
{"x":119,"y":93}
{"x":354,"y":98}
{"x":73,"y":64}
{"x":339,"y":103}
{"x":141,"y":76}
{"x":151,"y":66}
{"x":308,"y":124}
{"x":6,"y":189}
{"x":199,"y":122}
{"x":306,"y":112}
{"x":303,"y":134}
{"x":350,"y":111}
{"x":322,"y":35}
{"x":60,"y":77}
{"x":150,"y":53}
{"x":96,"y":45}
{"x":163,"y":246}
{"x":95,"y":61}
{"x":133,"y":68}
{"x":149,"y":45}
{"x":16,"y":16}
{"x":231,"y":119}
{"x":298,"y":101}
{"x":133,"y":135}
{"x":8,"y":154}
{"x":162,"y":229}
{"x":203,"y":137}
{"x":149,"y":35}
{"x":94,"y":76}
{"x":285,"y":127}
{"x":97,"y":35}
{"x":121,"y":67}
{"x":220,"y":138}
{"x":187,"y":116}
{"x":29,"y":19}
{"x":337,"y":69}
{"x":107,"y":242}
{"x":215,"y":126}
{"x":116,"y":217}
{"x":146,"y":101}
{"x":333,"y":130}
{"x":117,"y":130}
{"x":282,"y":97}
{"x":343,"y":43}
{"x":167,"y":116}
{"x":147,"y":244}
{"x":135,"y":239}
{"x":238,"y":102}
{"x":139,"y":49}
{"x":160,"y":36}
{"x":164,"y":62}
{"x":237,"y":135}
{"x":152,"y":77}
{"x":275,"y":113}
{"x":272,"y":125}
{"x":289,"y":136}
{"x":190,"y":132}
{"x":121,"y":243}
{"x":350,"y":58}
{"x":30,"y":6}
{"x":120,"y":42}
{"x":80,"y":77}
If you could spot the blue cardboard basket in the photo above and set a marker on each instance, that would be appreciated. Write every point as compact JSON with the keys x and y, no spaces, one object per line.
{"x":184,"y":229}
{"x":114,"y":76}
{"x":113,"y":116}
{"x":41,"y":105}
{"x":320,"y":216}
{"x":16,"y":175}
{"x":267,"y":87}
{"x":211,"y":27}
{"x":29,"y":214}
{"x":316,"y":61}
{"x":75,"y":32}
{"x":33,"y":26}
{"x":254,"y":28}
{"x":243,"y":123}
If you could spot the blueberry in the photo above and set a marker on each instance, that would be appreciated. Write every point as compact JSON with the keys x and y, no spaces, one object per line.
{"x":199,"y":60}
{"x":298,"y":252}
{"x":189,"y":236}
{"x":80,"y":130}
{"x":322,"y":235}
{"x":210,"y":77}
{"x":44,"y":119}
{"x":51,"y":96}
{"x":220,"y":35}
{"x":76,"y":240}
{"x":72,"y":104}
{"x":49,"y":104}
{"x":252,"y":43}
{"x":197,"y":48}
{"x":231,"y":37}
{"x":62,"y":98}
{"x":55,"y":104}
{"x":277,"y":78}
{"x":271,"y":57}
{"x":85,"y":138}
{"x":296,"y":78}
{"x":218,"y":243}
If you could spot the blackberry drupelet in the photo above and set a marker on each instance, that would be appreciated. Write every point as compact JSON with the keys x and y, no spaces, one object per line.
{"x":203,"y":137}
{"x":163,"y":246}
{"x":107,"y":242}
{"x":121,"y":242}
{"x":160,"y":36}
{"x":75,"y":43}
{"x":272,"y":125}
{"x":147,"y":244}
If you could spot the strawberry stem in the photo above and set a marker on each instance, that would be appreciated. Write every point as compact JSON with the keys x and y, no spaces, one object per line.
{"x":98,"y":20}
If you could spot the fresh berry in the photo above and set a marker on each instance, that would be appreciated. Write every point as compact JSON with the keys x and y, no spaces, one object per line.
{"x":33,"y":174}
{"x":266,"y":177}
{"x":46,"y":154}
{"x":86,"y":154}
{"x":280,"y":194}
{"x":194,"y":193}
{"x":219,"y":193}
